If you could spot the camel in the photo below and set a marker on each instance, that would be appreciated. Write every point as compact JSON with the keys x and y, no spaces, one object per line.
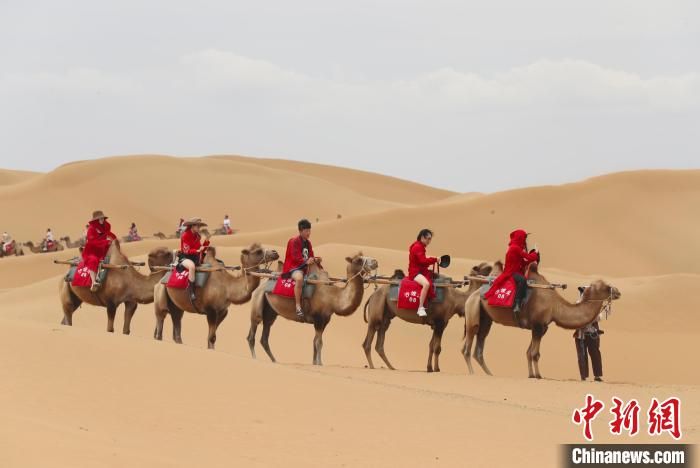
{"x":15,"y":249}
{"x":73,"y":245}
{"x":221,"y":290}
{"x":126,"y":286}
{"x":161,"y":236}
{"x":544,"y":307}
{"x":57,"y":246}
{"x":318,"y":310}
{"x":379,"y":311}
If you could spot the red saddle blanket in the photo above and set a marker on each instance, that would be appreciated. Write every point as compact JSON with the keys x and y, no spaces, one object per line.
{"x":284,"y":287}
{"x":178,"y":279}
{"x":504,"y":296}
{"x":409,"y":294}
{"x":82,"y":276}
{"x":8,"y":248}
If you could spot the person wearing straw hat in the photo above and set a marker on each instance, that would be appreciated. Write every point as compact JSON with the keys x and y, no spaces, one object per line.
{"x":98,"y":239}
{"x":191,"y":249}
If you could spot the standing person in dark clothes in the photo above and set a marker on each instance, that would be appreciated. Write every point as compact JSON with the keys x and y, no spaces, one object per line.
{"x":587,"y":340}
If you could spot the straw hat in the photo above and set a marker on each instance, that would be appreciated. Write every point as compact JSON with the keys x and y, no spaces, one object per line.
{"x":195,"y":222}
{"x":97,"y":215}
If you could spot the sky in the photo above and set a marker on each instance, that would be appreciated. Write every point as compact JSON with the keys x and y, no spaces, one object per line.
{"x":465,"y":95}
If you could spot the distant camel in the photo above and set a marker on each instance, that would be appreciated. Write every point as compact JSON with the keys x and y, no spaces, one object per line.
{"x":544,"y":307}
{"x":73,"y":245}
{"x":57,"y":247}
{"x":15,"y":249}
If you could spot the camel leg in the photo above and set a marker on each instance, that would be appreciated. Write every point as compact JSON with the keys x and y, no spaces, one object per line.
{"x":111,"y":313}
{"x":212,"y":321}
{"x":538,"y":332}
{"x":319,"y":327}
{"x":269,"y":317}
{"x":251,"y":336}
{"x":70,"y":302}
{"x":160,"y":319}
{"x":431,"y":346}
{"x":484,"y":328}
{"x":528,"y":355}
{"x":129,"y":310}
{"x":176,"y":317}
{"x":469,"y":333}
{"x":437,"y":348}
{"x":367,"y":344}
{"x":381,"y":335}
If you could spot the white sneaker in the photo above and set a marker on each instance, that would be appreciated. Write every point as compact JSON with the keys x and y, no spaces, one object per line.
{"x":422,"y":312}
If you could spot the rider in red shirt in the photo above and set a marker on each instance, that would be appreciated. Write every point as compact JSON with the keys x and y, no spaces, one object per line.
{"x":98,"y":239}
{"x":418,"y":265}
{"x":517,"y":260}
{"x":191,"y":249}
{"x":299,"y":255}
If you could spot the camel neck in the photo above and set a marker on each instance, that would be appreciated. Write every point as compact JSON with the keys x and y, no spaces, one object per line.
{"x":574,"y":316}
{"x":350,"y":296}
{"x":240,"y":289}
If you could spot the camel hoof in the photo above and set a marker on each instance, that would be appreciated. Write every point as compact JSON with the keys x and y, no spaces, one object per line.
{"x":430,"y":369}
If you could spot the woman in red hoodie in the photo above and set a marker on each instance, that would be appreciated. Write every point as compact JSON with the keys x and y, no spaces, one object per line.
{"x":418,"y":265}
{"x":517,"y":260}
{"x":97,"y":241}
{"x":191,"y":249}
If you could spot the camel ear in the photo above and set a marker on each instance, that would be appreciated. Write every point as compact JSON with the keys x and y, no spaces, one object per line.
{"x":348,"y":259}
{"x":245,"y":252}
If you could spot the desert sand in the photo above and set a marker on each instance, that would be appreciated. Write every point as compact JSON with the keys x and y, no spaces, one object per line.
{"x":78,"y":396}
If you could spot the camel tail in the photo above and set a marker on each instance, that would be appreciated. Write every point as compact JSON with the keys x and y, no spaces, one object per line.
{"x":364,"y":313}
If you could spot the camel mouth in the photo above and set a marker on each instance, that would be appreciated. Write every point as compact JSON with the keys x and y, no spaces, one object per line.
{"x":615,"y":294}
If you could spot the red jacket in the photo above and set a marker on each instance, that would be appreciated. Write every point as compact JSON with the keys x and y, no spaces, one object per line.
{"x":517,"y":259}
{"x":98,"y":239}
{"x":418,"y":263}
{"x":190,"y":242}
{"x":294,"y":257}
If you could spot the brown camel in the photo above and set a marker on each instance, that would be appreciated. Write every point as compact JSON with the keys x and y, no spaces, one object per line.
{"x":126,"y":286}
{"x":326,"y":301}
{"x":379,"y":311}
{"x":544,"y":307}
{"x":221,"y":290}
{"x":161,"y":236}
{"x":15,"y":249}
{"x":73,"y":245}
{"x":57,"y":246}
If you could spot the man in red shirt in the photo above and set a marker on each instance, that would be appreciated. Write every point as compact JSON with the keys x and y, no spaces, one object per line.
{"x":191,"y":249}
{"x":299,"y":255}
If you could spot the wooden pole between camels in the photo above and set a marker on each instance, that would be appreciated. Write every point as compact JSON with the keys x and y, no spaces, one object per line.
{"x":485,"y":279}
{"x":202,"y":269}
{"x":108,"y":266}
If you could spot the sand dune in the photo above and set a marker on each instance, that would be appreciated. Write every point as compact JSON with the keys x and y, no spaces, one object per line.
{"x":8,"y":177}
{"x":78,"y":396}
{"x":155,"y":191}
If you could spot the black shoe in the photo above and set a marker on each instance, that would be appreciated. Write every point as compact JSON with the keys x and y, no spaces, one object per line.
{"x":192,"y":296}
{"x":598,"y":379}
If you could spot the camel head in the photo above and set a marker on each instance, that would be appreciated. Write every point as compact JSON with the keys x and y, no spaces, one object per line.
{"x":600,"y":290}
{"x":159,"y":235}
{"x":482,"y":269}
{"x":497,"y":268}
{"x":160,"y":256}
{"x":361,"y":265}
{"x":256,"y":255}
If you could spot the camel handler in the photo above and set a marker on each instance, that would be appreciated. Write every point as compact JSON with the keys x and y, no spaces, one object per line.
{"x":98,"y":239}
{"x":517,"y":261}
{"x":191,"y":249}
{"x":299,"y":255}
{"x":418,"y":265}
{"x":587,"y":340}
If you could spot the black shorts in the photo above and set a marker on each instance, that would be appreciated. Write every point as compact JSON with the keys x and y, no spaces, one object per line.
{"x":194,"y":257}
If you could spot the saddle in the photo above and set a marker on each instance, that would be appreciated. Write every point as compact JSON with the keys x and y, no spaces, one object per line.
{"x":407,"y":293}
{"x":505,"y":296}
{"x":180,"y":280}
{"x":78,"y":273}
{"x":285,"y":287}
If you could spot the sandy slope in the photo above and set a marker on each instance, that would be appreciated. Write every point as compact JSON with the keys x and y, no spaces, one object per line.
{"x":82,"y":397}
{"x":155,"y":191}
